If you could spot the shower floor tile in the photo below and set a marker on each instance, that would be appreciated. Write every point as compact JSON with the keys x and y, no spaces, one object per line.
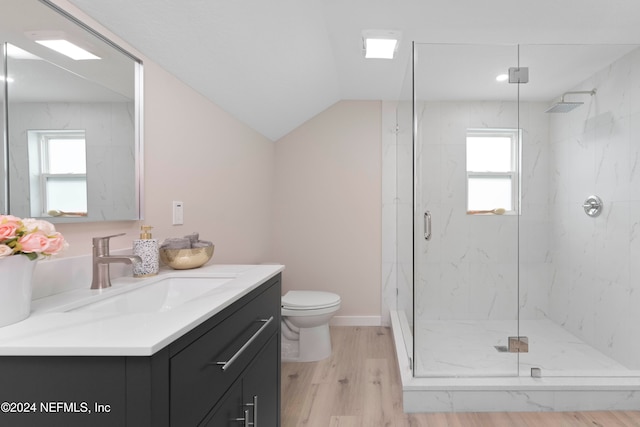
{"x":468,"y":348}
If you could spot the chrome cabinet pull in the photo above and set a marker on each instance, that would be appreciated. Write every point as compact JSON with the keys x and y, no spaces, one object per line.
{"x":245,"y":420}
{"x":227,"y":364}
{"x":254,"y":405}
{"x":427,"y":225}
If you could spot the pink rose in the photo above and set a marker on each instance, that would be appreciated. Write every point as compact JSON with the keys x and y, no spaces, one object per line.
{"x":38,"y":224}
{"x":35,"y":242}
{"x":8,"y":229}
{"x":56,"y":244}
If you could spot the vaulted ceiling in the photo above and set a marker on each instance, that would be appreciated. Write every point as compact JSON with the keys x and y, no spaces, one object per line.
{"x":276,"y":63}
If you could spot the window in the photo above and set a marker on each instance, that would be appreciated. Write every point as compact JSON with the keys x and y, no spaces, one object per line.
{"x":492,"y":169}
{"x":59,"y":177}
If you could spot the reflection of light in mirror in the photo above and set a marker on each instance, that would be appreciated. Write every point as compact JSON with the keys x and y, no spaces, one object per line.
{"x":502,"y":77}
{"x":17,"y":53}
{"x":9,"y":80}
{"x":69,"y":49}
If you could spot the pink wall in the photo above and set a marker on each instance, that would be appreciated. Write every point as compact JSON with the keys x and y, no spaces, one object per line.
{"x":311,"y":201}
{"x":327,"y":209}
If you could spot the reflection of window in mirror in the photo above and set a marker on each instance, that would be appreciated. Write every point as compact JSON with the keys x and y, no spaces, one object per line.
{"x":492,"y":170}
{"x":58,"y":172}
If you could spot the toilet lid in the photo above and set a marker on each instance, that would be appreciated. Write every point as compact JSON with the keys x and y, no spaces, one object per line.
{"x":309,"y":299}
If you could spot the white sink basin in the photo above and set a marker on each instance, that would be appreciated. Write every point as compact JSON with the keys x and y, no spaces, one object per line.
{"x":156,"y":297}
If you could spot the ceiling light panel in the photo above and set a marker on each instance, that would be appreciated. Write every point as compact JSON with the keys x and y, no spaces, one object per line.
{"x":380,"y":44}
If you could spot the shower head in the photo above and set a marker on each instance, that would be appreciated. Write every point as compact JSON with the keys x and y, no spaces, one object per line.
{"x":563,"y":107}
{"x":566,"y":106}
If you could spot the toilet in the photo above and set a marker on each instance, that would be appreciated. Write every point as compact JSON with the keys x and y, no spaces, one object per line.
{"x":305,"y":325}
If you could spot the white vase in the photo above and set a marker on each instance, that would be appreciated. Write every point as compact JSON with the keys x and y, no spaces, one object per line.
{"x":15,"y":288}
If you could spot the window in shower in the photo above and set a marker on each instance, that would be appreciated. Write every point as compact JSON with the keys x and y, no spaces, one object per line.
{"x":58,"y":173}
{"x":492,"y":170}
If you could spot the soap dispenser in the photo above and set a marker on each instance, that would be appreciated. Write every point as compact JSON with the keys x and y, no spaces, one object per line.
{"x":147,"y":249}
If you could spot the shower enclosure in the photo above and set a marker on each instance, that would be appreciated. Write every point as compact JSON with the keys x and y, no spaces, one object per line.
{"x":518,"y":181}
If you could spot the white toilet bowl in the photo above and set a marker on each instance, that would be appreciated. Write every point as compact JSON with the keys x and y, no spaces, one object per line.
{"x":305,"y":325}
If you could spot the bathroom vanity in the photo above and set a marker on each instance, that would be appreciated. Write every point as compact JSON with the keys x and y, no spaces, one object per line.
{"x":212,"y":360}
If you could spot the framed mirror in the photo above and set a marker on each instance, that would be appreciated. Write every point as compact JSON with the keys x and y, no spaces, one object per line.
{"x":72,"y":120}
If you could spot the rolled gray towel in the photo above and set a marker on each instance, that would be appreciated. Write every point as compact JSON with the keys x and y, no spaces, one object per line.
{"x":176,"y":243}
{"x":202,"y":244}
{"x":193,"y":237}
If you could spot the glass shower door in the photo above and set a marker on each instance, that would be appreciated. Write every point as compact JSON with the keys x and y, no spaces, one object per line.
{"x":466,"y":203}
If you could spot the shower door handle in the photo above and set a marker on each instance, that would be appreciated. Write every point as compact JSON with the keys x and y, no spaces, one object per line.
{"x":427,"y":225}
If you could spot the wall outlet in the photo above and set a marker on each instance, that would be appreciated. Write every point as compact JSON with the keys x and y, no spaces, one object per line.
{"x":178,"y":213}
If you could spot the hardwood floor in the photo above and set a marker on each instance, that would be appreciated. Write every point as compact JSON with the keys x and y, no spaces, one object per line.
{"x":359,"y":386}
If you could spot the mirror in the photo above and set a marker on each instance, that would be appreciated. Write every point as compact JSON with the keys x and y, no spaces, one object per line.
{"x":71,"y":127}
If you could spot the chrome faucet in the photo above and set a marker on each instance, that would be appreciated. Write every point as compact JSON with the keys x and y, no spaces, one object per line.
{"x":102,"y":259}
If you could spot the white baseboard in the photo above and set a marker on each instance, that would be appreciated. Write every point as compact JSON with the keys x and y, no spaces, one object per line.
{"x":356,"y":321}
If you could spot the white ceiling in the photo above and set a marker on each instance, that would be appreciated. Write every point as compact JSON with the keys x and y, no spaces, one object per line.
{"x":276,"y":63}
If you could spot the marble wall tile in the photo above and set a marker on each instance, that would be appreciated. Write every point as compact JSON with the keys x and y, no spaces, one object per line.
{"x":397,"y":209}
{"x":468,"y":269}
{"x":431,"y":166}
{"x":389,"y":218}
{"x":598,"y":153}
{"x":535,"y":289}
{"x":603,"y":400}
{"x":612,"y":143}
{"x":518,"y":401}
{"x":633,"y":83}
{"x":634,"y":154}
{"x":493,"y":291}
{"x":454,"y":121}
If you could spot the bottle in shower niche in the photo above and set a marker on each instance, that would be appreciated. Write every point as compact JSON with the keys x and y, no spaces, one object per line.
{"x":147,"y":249}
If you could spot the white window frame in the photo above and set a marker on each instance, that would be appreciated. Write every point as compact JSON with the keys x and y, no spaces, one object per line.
{"x":43,"y":138}
{"x":513,"y":174}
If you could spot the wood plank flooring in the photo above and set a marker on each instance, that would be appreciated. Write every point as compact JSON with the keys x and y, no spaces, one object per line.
{"x":359,"y":386}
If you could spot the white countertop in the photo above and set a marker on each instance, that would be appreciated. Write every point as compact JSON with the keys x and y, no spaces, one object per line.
{"x":52,"y":330}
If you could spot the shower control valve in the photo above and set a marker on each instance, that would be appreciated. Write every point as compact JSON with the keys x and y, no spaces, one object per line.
{"x":592,"y":206}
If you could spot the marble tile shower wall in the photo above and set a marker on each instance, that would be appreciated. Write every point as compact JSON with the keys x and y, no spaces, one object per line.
{"x":469,"y":269}
{"x":389,"y":236}
{"x":109,"y":177}
{"x":595,"y":269}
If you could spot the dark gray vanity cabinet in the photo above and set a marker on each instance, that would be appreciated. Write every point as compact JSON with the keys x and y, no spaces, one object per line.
{"x":224,"y":370}
{"x":203,"y":368}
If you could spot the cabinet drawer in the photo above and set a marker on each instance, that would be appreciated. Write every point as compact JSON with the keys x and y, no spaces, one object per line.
{"x":203,"y":371}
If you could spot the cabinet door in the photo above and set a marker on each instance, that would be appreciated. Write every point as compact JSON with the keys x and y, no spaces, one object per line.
{"x":65,"y":391}
{"x":229,"y":411}
{"x":253,"y":400}
{"x":261,"y":386}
